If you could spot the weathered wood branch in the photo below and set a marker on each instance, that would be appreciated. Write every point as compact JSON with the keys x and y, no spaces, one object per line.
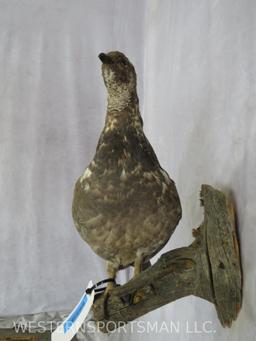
{"x":209,"y":268}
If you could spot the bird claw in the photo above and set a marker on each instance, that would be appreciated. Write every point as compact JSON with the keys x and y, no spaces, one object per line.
{"x":137,"y":296}
{"x":196,"y":232}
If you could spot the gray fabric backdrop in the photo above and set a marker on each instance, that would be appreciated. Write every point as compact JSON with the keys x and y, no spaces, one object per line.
{"x":195,"y":62}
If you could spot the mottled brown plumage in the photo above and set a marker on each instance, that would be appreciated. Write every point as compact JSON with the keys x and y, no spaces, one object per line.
{"x":125,"y":205}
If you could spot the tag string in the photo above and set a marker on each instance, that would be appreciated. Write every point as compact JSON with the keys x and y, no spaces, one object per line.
{"x":107,"y":280}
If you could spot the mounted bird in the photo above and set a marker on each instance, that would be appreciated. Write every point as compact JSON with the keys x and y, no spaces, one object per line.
{"x":125,"y":205}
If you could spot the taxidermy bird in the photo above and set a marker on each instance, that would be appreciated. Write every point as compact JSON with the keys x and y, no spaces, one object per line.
{"x":125,"y":205}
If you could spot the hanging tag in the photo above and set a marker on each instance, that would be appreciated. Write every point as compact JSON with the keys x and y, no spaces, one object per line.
{"x":71,"y":325}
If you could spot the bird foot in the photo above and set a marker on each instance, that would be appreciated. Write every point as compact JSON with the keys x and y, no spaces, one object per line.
{"x":137,"y":296}
{"x":196,"y":232}
{"x":106,"y":295}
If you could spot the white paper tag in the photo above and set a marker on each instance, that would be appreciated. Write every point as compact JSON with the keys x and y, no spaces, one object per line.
{"x":70,"y":326}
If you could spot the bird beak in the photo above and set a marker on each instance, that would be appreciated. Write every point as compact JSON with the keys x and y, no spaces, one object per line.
{"x":105,"y":58}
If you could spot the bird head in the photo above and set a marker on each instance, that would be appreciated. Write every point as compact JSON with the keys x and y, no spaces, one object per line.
{"x":119,"y":77}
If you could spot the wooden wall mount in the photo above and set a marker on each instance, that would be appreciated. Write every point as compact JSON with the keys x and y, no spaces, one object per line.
{"x":209,"y":268}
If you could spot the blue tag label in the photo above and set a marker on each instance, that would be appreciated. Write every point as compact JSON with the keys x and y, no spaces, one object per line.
{"x":68,"y":324}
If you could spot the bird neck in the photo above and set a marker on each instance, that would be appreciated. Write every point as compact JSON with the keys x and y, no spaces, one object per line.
{"x":128,"y":116}
{"x":120,"y":98}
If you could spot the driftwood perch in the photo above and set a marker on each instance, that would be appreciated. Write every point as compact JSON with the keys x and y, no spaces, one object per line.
{"x":209,"y":268}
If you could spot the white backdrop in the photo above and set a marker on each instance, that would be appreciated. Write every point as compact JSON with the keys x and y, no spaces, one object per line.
{"x":195,"y":62}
